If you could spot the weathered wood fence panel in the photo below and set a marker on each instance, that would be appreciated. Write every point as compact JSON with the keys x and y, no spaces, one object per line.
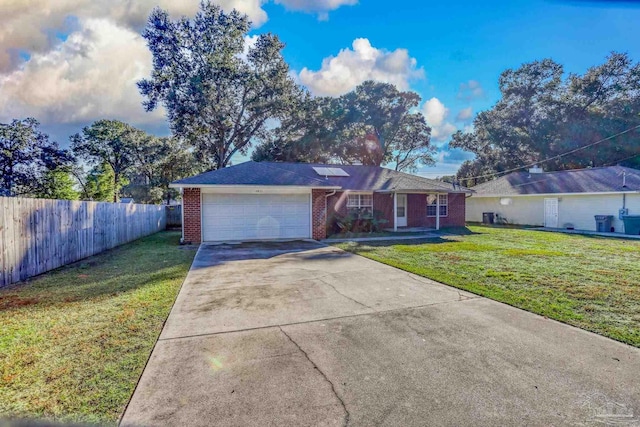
{"x":174,"y":215}
{"x":38,"y":235}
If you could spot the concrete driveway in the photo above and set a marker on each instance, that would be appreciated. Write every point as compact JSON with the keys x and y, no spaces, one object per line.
{"x":298,"y":334}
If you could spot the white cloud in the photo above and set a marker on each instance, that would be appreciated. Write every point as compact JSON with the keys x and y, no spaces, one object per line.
{"x":436,"y":114}
{"x":253,"y":8}
{"x":321,"y":7}
{"x":69,"y":62}
{"x":91,"y":75}
{"x":464,"y":115}
{"x":470,"y":90}
{"x":340,"y":74}
{"x":249,"y":42}
{"x":31,"y":25}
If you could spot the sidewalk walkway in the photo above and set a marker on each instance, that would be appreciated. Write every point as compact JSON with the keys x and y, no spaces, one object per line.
{"x":377,"y":239}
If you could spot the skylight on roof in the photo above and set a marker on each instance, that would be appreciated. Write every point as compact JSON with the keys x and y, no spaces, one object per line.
{"x":330,"y":171}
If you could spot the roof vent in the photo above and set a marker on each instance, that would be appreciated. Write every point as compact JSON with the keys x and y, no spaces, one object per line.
{"x":536,"y":169}
{"x":327,"y":172}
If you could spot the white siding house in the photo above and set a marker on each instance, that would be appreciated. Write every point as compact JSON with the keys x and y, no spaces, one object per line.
{"x":566,"y":199}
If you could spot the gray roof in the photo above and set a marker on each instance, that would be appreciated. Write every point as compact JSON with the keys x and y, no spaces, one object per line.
{"x":361,"y":178}
{"x":594,"y":180}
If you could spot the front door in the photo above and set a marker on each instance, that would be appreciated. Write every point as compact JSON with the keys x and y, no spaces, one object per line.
{"x":401,"y":211}
{"x":551,"y":213}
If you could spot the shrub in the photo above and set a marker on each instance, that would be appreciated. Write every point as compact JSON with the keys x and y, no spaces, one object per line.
{"x":361,"y":222}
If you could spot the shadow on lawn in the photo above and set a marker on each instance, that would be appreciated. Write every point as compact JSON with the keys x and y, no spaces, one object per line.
{"x":458,"y":231}
{"x":113,"y":272}
{"x":363,"y":247}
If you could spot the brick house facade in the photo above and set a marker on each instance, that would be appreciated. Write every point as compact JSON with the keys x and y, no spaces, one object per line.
{"x":265,"y":200}
{"x":326,"y":205}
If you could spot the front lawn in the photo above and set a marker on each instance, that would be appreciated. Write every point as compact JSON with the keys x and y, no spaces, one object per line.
{"x":75,"y":341}
{"x":589,"y":282}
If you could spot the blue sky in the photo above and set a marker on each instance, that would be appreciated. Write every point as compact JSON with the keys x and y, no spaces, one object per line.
{"x":80,"y":64}
{"x":456,"y":42}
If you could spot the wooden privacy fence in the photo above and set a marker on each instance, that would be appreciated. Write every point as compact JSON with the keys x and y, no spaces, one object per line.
{"x":174,"y":215}
{"x":38,"y":235}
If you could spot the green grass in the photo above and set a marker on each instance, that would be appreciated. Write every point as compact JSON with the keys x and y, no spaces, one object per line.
{"x":75,"y":340}
{"x":589,"y":282}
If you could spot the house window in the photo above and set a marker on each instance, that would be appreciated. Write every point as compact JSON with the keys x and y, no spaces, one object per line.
{"x":360,"y":203}
{"x":432,"y":204}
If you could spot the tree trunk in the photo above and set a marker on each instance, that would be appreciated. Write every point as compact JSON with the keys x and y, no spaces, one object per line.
{"x":116,"y":180}
{"x":10,"y":181}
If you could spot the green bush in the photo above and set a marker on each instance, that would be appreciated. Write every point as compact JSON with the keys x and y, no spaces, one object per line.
{"x":361,"y":222}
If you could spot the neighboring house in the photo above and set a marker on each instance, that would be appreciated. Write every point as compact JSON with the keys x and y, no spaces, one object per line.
{"x":261,"y":201}
{"x":127,"y":200}
{"x":564,"y":199}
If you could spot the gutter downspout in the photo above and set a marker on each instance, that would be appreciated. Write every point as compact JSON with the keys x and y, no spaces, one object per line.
{"x":395,"y":211}
{"x":437,"y":211}
{"x":181,"y":215}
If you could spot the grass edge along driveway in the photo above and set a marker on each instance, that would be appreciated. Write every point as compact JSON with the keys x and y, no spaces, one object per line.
{"x":585,"y":281}
{"x":75,"y":340}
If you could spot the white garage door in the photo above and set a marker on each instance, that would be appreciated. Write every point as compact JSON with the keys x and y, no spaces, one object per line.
{"x":255,"y":216}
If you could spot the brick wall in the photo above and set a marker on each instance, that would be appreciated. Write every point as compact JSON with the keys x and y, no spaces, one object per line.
{"x":417,"y":212}
{"x":383,"y":203}
{"x":337,"y":204}
{"x":457,"y":206}
{"x":192,"y":217}
{"x":416,"y":209}
{"x":319,"y":221}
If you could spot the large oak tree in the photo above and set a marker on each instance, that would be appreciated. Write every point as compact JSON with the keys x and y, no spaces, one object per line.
{"x":218,"y":89}
{"x":544,"y":114}
{"x":374,"y":124}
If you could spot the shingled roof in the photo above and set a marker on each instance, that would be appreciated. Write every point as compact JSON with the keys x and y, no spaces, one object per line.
{"x":593,"y":180}
{"x":361,"y":178}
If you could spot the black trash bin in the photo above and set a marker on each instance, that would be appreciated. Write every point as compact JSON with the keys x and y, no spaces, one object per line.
{"x":631,"y":224}
{"x":488,"y":217}
{"x":603,"y":223}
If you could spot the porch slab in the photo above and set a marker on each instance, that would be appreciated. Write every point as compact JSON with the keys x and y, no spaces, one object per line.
{"x":410,"y":229}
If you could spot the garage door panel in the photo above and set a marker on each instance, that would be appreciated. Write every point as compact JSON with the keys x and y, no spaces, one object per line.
{"x":255,"y":216}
